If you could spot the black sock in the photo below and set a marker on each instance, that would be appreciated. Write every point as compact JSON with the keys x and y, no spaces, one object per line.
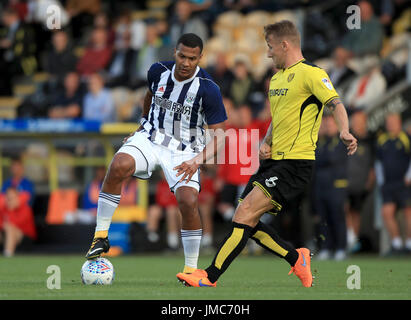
{"x":232,"y":246}
{"x":268,"y":238}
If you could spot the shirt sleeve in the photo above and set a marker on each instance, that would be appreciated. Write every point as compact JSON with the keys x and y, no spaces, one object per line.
{"x":319,"y":84}
{"x":153,"y":75}
{"x":213,"y":105}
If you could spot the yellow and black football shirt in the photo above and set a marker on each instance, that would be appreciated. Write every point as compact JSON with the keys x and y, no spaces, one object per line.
{"x":297,"y":95}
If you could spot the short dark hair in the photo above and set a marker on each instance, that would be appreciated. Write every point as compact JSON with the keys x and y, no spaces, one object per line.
{"x":191,"y":40}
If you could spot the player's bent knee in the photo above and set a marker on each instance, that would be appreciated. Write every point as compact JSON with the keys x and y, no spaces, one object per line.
{"x":122,"y":166}
{"x":187,"y":200}
{"x":245,"y":215}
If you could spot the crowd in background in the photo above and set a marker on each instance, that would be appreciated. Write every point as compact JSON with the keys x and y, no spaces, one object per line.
{"x":97,"y":65}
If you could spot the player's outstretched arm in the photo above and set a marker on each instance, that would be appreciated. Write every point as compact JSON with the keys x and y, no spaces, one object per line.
{"x":341,"y":118}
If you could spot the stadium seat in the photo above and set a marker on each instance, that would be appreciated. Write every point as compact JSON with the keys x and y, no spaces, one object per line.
{"x":158,"y":4}
{"x":257,"y":19}
{"x":23,"y":90}
{"x":284,"y":15}
{"x":41,"y":77}
{"x":223,"y":33}
{"x":61,"y":202}
{"x":8,"y":107}
{"x":231,"y":19}
{"x":140,"y":14}
{"x":261,"y":63}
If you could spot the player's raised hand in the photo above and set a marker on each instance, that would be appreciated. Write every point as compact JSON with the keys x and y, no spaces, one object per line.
{"x":350,"y":141}
{"x":265,"y":151}
{"x":187,"y":169}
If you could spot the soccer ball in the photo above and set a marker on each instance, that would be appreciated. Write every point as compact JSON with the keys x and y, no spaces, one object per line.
{"x":97,"y":271}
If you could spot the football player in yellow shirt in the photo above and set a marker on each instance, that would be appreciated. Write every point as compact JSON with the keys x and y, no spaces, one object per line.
{"x":298,"y":93}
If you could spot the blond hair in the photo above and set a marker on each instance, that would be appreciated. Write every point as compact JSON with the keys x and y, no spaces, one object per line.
{"x":284,"y":29}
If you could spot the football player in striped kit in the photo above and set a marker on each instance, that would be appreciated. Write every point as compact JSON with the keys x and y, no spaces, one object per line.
{"x":181,"y":99}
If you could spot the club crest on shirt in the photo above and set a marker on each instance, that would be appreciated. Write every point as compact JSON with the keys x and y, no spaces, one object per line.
{"x":190,"y":97}
{"x":290,"y":77}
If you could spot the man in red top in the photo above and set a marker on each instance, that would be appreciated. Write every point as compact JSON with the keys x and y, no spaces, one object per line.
{"x":97,"y":56}
{"x":166,"y":202}
{"x":17,"y":221}
{"x":234,"y":174}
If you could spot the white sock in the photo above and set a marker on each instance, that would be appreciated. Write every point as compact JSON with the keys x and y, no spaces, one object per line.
{"x":351,"y":237}
{"x":7,"y":253}
{"x":408,"y":243}
{"x":172,"y":240}
{"x":106,"y":205}
{"x":191,"y":240}
{"x":396,"y":243}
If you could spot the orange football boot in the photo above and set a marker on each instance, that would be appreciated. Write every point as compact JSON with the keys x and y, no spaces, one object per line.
{"x":302,"y":267}
{"x":199,"y":278}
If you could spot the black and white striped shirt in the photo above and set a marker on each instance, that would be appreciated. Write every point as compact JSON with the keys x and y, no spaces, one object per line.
{"x":180,"y":109}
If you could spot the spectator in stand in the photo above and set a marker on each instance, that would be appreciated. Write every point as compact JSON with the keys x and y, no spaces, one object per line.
{"x":393,"y":159}
{"x":122,"y":27}
{"x":151,"y":52}
{"x":97,"y":56}
{"x":68,"y":102}
{"x":234,"y":173}
{"x":129,"y":192}
{"x":368,"y":39}
{"x":103,"y":21}
{"x":361,"y":178}
{"x":206,"y":201}
{"x":60,"y":60}
{"x":185,"y":22}
{"x":82,"y":14}
{"x":18,"y":181}
{"x":98,"y":103}
{"x":17,"y":50}
{"x":20,"y":7}
{"x":16,"y":222}
{"x":330,"y":191}
{"x":90,"y":197}
{"x":165,"y":202}
{"x":340,"y":73}
{"x":138,"y":33}
{"x":221,"y":73}
{"x":243,"y":84}
{"x":367,"y":89}
{"x":384,"y":10}
{"x":118,"y":71}
{"x":163,"y":32}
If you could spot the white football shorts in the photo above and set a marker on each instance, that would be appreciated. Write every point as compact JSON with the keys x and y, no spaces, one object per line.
{"x":147,"y":155}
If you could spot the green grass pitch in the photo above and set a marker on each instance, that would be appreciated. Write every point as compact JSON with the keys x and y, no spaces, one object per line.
{"x":152,"y":277}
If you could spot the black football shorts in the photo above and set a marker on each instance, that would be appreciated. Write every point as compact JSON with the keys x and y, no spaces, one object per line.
{"x":281,"y":180}
{"x":397,"y":193}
